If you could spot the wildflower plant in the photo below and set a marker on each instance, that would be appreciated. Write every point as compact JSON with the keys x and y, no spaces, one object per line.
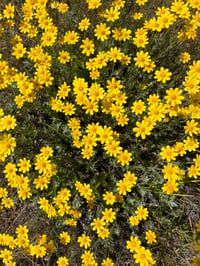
{"x":99,"y":131}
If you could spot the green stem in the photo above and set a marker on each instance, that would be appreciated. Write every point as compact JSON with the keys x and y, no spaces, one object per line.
{"x":192,"y":181}
{"x":136,"y":152}
{"x":61,"y":135}
{"x":112,"y":69}
{"x":160,"y":192}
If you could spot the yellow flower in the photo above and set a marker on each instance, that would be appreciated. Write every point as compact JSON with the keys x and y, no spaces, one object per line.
{"x":97,"y":224}
{"x":48,"y":38}
{"x":174,"y":96}
{"x":7,"y":122}
{"x":142,"y":256}
{"x":50,"y":210}
{"x":141,"y":59}
{"x":87,"y":152}
{"x":194,"y":171}
{"x":191,"y":127}
{"x":84,"y":241}
{"x":142,"y":129}
{"x":198,"y":226}
{"x":96,"y":92}
{"x":122,"y":120}
{"x":171,"y":171}
{"x":109,"y":215}
{"x":191,"y":84}
{"x":80,"y":86}
{"x":109,"y":197}
{"x":22,"y":230}
{"x":9,"y":10}
{"x":142,"y":213}
{"x":124,"y":157}
{"x":84,"y":24}
{"x":6,"y":255}
{"x":10,"y":170}
{"x":153,"y":25}
{"x":3,"y":192}
{"x":71,"y":222}
{"x":7,"y":145}
{"x":112,"y":14}
{"x":64,"y":238}
{"x":130,"y":178}
{"x":85,"y":190}
{"x":71,"y":37}
{"x":24,"y":192}
{"x":115,"y":54}
{"x":24,"y":165}
{"x":118,"y":198}
{"x":10,"y":241}
{"x":44,"y":203}
{"x":63,"y":90}
{"x":197,"y":160}
{"x":191,"y":144}
{"x":101,"y":60}
{"x":102,"y":32}
{"x":170,"y":187}
{"x":87,"y":46}
{"x":62,"y":261}
{"x":184,"y":57}
{"x":196,"y":261}
{"x":140,"y":41}
{"x":89,"y":141}
{"x":168,"y":153}
{"x":69,"y":109}
{"x":42,"y":165}
{"x":138,"y":107}
{"x":118,"y":3}
{"x":125,"y":60}
{"x":141,"y":2}
{"x":126,"y":34}
{"x":114,"y":86}
{"x":105,"y":134}
{"x":162,"y":75}
{"x":93,"y":4}
{"x":180,"y":148}
{"x":41,"y":182}
{"x":63,"y":7}
{"x":117,"y":110}
{"x":64,"y":194}
{"x":180,"y":8}
{"x":94,"y":74}
{"x":134,"y":220}
{"x":38,"y":251}
{"x":117,"y":34}
{"x":103,"y":233}
{"x":137,"y":16}
{"x":7,"y":202}
{"x":4,"y":67}
{"x":107,"y":262}
{"x":150,"y":237}
{"x":123,"y":187}
{"x":42,"y":239}
{"x":133,"y":244}
{"x":46,"y":152}
{"x":172,"y":110}
{"x":9,"y":24}
{"x":88,"y":258}
{"x":63,"y":209}
{"x":166,"y":20}
{"x":64,"y":57}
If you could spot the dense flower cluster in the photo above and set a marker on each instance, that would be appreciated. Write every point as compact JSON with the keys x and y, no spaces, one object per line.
{"x":7,"y":142}
{"x":100,"y":110}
